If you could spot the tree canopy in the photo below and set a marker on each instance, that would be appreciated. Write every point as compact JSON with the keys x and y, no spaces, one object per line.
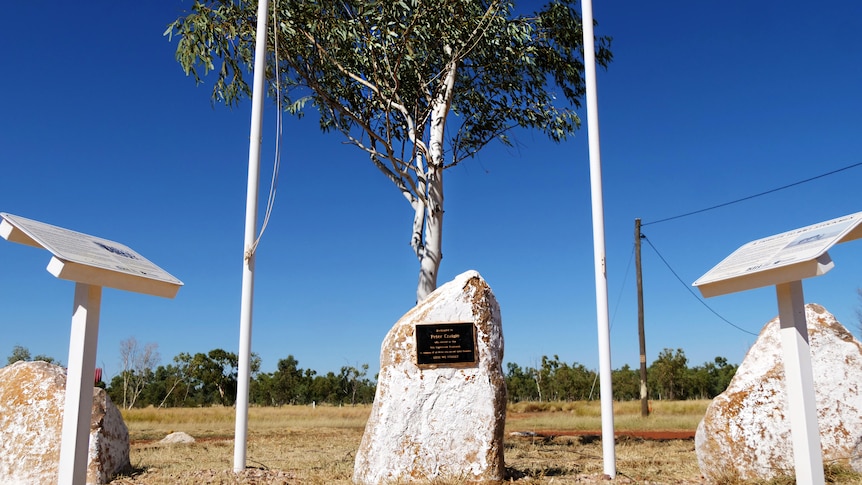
{"x":20,"y":353}
{"x":209,"y":379}
{"x":670,"y":378}
{"x":390,"y":76}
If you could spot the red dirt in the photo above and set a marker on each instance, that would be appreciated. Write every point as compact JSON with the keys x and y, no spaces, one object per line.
{"x":657,"y":435}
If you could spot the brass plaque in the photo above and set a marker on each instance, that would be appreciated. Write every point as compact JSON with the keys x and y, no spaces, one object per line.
{"x":446,"y":344}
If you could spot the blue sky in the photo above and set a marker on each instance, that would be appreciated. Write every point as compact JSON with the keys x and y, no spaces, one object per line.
{"x":101,"y":132}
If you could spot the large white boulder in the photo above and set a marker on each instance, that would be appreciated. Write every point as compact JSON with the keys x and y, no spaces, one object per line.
{"x":32,"y":398}
{"x":443,"y":423}
{"x":745,"y":432}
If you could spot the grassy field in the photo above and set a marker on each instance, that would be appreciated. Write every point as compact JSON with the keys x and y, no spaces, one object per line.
{"x":586,"y":416}
{"x":304,"y":445}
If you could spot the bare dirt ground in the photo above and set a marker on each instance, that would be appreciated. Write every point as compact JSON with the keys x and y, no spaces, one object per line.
{"x":545,"y":443}
{"x":326,"y":457}
{"x":652,"y":435}
{"x":295,"y":445}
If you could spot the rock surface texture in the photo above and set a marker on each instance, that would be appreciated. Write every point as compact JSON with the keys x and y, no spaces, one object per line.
{"x":439,"y":423}
{"x":32,"y":397}
{"x":109,"y":440}
{"x":745,"y":432}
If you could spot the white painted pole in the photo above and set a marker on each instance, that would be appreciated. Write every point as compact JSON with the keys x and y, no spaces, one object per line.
{"x":244,"y":364}
{"x":75,"y":439}
{"x":799,"y":381}
{"x":606,"y":384}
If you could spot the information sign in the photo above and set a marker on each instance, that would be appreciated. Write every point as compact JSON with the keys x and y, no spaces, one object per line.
{"x":88,"y":259}
{"x":790,"y":256}
{"x":784,"y":260}
{"x":92,"y":263}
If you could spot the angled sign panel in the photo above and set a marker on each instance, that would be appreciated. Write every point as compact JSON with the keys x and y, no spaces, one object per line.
{"x":790,"y":256}
{"x":88,"y":259}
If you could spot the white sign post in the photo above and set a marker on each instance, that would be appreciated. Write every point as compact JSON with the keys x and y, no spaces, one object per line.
{"x":784,"y":260}
{"x":92,"y":263}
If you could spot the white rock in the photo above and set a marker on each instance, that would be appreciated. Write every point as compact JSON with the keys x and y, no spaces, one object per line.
{"x":443,"y":423}
{"x":177,"y":437}
{"x":32,"y":397}
{"x":109,"y":440}
{"x":746,"y":430}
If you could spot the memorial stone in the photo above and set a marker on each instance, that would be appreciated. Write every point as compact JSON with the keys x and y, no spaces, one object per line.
{"x":440,"y":408}
{"x":745,"y":433}
{"x":32,"y":396}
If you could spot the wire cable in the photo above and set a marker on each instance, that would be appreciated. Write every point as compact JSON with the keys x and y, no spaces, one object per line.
{"x":616,"y":308}
{"x":276,"y":164}
{"x":622,"y":287}
{"x":753,"y":196}
{"x":687,"y":287}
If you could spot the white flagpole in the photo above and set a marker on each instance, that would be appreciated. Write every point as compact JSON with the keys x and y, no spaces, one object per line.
{"x":244,"y":357}
{"x":610,"y":468}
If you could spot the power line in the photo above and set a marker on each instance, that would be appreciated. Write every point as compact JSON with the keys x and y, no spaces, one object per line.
{"x":622,"y":287}
{"x":687,"y":287}
{"x":753,"y":196}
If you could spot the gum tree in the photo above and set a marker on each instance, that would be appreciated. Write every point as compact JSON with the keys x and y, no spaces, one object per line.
{"x":137,"y":368}
{"x":418,"y":85}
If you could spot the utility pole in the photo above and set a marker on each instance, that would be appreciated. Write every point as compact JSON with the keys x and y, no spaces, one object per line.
{"x":641,"y":336}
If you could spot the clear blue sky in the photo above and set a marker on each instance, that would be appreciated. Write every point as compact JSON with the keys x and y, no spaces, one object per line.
{"x":102,"y":133}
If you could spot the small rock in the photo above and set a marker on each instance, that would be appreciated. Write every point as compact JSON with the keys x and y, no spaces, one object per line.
{"x":177,"y":437}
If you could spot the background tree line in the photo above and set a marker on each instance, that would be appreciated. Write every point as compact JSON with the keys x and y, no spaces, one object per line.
{"x":668,"y":377}
{"x":205,"y":379}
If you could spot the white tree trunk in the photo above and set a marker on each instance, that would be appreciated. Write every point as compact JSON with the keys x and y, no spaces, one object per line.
{"x":432,"y":250}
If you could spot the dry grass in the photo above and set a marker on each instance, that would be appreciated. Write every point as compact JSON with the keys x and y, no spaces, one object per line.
{"x":219,"y":422}
{"x":586,"y":415}
{"x":298,"y":445}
